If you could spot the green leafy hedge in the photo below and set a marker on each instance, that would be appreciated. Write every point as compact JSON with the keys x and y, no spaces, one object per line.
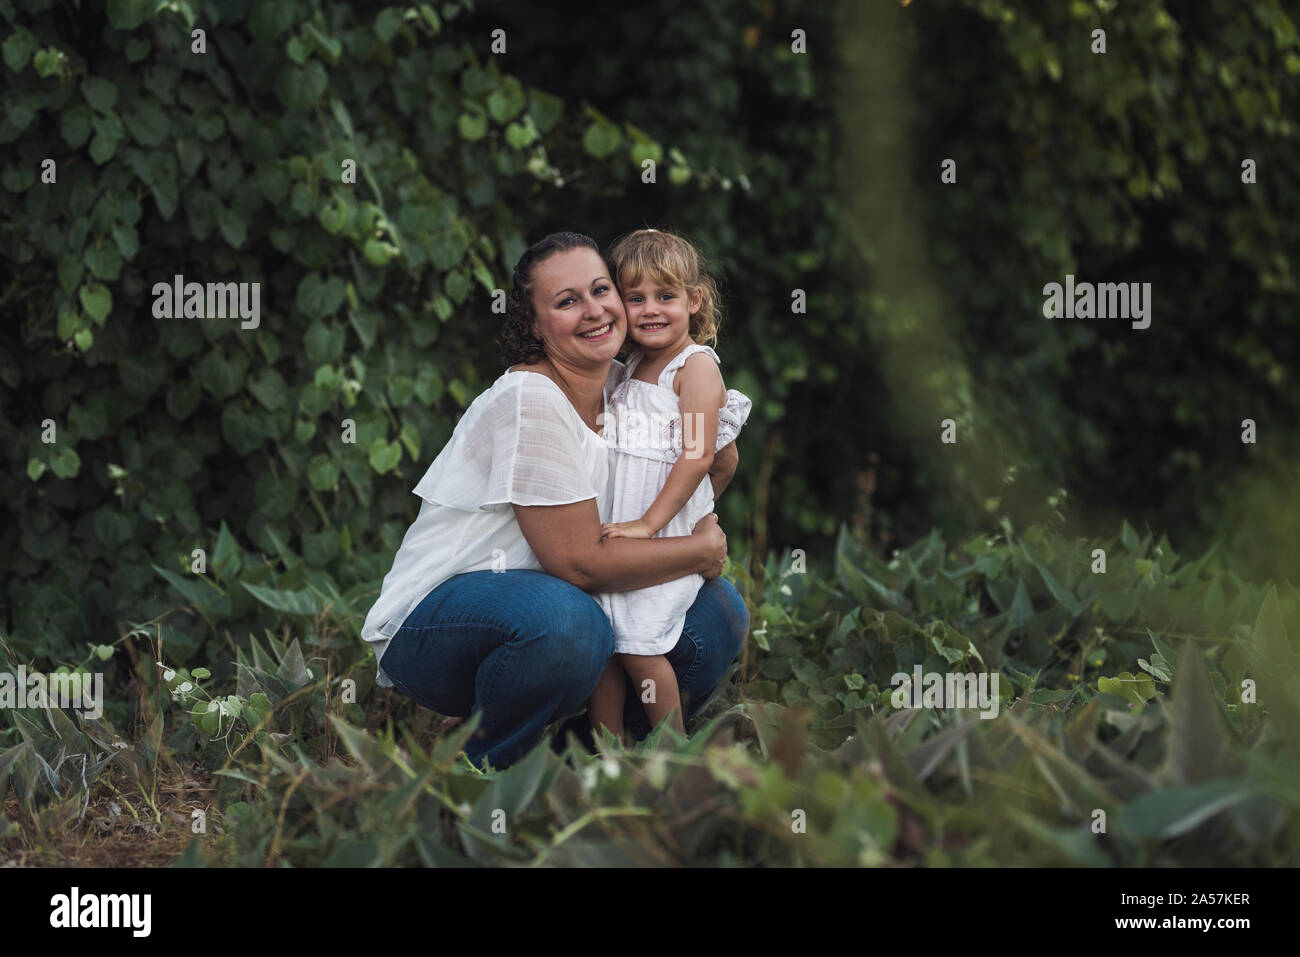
{"x":1120,"y":166}
{"x":232,"y":165}
{"x":227,"y":166}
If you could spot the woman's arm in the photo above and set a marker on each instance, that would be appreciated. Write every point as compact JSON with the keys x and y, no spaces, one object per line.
{"x":725,"y":461}
{"x":567,"y":542}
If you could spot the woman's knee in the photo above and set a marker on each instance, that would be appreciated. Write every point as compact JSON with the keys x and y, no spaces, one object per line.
{"x":734,"y":614}
{"x":575,"y":632}
{"x":584,"y":624}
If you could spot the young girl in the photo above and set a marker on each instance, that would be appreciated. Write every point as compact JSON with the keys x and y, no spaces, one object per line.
{"x":669,"y":415}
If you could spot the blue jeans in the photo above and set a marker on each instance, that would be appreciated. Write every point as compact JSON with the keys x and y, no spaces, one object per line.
{"x":526,"y":649}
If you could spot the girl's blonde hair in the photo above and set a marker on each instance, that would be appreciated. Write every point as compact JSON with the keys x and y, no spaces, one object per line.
{"x":670,"y":260}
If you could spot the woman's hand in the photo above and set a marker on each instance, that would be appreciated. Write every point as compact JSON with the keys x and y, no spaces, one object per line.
{"x":713,"y":543}
{"x":636,"y":529}
{"x":568,"y":544}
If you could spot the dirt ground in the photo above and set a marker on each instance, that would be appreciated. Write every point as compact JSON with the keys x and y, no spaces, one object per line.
{"x":117,"y":829}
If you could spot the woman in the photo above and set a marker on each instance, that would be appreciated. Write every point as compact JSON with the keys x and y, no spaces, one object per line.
{"x":486,"y":606}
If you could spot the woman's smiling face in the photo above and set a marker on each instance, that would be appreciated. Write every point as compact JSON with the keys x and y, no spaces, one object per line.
{"x":579,"y":314}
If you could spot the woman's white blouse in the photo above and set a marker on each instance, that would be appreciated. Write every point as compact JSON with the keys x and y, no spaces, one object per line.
{"x":519,"y":443}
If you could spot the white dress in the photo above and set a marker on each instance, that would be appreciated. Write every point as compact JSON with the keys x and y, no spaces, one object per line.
{"x":645,"y":441}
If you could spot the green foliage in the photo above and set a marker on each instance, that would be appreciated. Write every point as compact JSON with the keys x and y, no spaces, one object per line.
{"x":1122,"y":691}
{"x":1030,"y":607}
{"x":814,"y":764}
{"x":924,"y":299}
{"x":806,"y":759}
{"x":57,"y":756}
{"x":1121,"y":166}
{"x":296,"y":438}
{"x":370,"y":288}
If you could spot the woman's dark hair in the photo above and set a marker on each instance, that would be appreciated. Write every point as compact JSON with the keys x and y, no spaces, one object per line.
{"x":517,"y":340}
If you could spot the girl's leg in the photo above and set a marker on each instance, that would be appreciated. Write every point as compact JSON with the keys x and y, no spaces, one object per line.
{"x":656,"y":685}
{"x":605,"y":706}
{"x":715,"y":630}
{"x":522,"y":647}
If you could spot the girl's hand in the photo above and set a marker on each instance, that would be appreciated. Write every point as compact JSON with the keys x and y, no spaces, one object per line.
{"x":636,"y":529}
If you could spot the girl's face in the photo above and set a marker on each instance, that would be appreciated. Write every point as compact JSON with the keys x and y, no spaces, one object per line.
{"x":659,"y":316}
{"x":579,"y":315}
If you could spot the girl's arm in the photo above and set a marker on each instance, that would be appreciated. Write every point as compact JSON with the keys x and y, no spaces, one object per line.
{"x":700,"y":395}
{"x":568,"y":544}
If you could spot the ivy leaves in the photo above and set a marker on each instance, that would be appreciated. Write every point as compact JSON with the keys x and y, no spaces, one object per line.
{"x":100,"y":94}
{"x":129,"y":14}
{"x":319,"y":296}
{"x":289,"y":438}
{"x":18,"y":49}
{"x":602,"y":137}
{"x":507,"y":100}
{"x":96,"y":299}
{"x":322,"y":472}
{"x":384,"y":455}
{"x":109,"y":132}
{"x":300,"y":88}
